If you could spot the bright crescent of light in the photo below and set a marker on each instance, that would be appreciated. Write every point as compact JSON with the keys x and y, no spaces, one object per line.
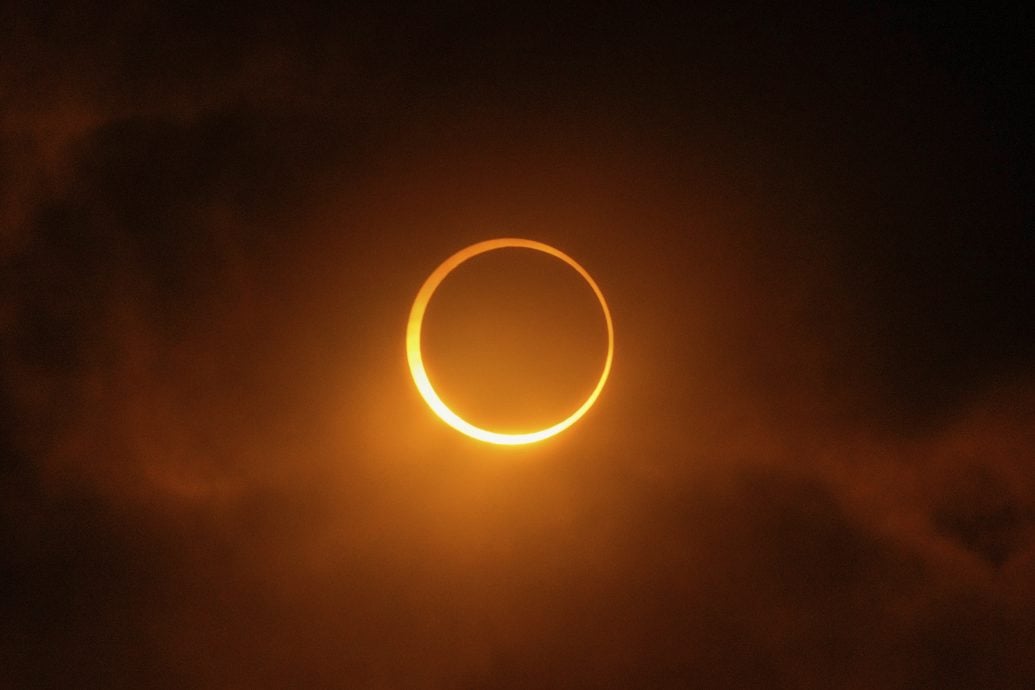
{"x":416,"y":361}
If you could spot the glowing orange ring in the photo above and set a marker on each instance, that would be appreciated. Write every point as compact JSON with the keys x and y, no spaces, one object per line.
{"x":416,"y":361}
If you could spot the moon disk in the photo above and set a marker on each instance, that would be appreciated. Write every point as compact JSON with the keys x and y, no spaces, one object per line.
{"x":416,"y":361}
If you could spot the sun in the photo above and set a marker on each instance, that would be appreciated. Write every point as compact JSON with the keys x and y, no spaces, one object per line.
{"x":416,"y":360}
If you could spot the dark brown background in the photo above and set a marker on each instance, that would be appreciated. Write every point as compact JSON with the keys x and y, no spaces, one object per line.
{"x":812,"y":466}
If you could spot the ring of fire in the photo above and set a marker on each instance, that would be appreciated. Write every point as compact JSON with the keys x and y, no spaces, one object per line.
{"x":416,"y":361}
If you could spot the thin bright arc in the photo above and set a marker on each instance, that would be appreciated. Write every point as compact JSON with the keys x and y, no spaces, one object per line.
{"x":416,"y":360}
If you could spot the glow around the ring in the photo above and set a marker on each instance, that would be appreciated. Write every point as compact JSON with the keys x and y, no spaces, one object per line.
{"x":416,"y":361}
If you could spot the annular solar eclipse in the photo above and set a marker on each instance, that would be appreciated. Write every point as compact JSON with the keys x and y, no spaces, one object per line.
{"x":416,"y":361}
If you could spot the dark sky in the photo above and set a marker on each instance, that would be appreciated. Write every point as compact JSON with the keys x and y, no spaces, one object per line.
{"x":813,"y":465}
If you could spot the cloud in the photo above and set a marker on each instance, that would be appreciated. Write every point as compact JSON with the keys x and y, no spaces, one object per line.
{"x":810,"y":466}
